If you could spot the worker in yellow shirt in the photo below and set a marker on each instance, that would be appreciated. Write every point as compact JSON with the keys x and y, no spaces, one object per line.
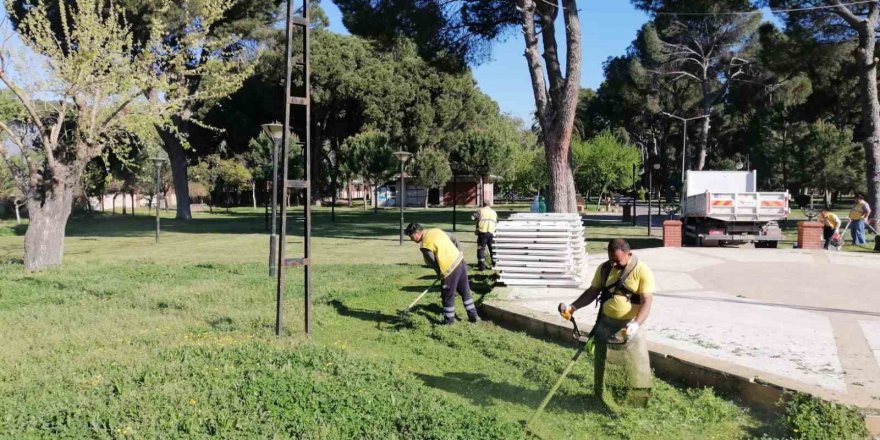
{"x":858,"y":215}
{"x":486,"y":219}
{"x":830,"y":225}
{"x":447,"y":260}
{"x":624,"y":287}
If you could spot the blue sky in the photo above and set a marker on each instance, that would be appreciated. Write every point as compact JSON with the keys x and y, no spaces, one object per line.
{"x":608,"y":27}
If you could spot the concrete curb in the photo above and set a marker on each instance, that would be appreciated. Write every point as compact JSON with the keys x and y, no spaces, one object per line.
{"x":752,"y":387}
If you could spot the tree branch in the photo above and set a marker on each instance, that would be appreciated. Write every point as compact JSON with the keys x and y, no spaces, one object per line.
{"x":536,"y":70}
{"x":846,"y":14}
{"x":32,"y":113}
{"x":32,"y":167}
{"x":548,"y":13}
{"x":573,"y":66}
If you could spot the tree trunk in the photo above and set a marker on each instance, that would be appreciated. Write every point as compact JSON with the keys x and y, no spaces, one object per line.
{"x":480,"y":195}
{"x":348,"y":192}
{"x":177,"y":157}
{"x":870,"y":114}
{"x":556,"y":104}
{"x":333,"y":198}
{"x":132,"y":203}
{"x":375,"y":198}
{"x":124,"y":208}
{"x":254,"y":194}
{"x":44,"y":240}
{"x":364,"y":194}
{"x":17,"y":205}
{"x":704,"y":128}
{"x":113,"y":204}
{"x":562,"y":192}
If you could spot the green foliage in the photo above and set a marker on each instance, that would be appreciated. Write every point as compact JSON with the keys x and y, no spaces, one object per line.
{"x":432,"y":168}
{"x":603,"y":163}
{"x":828,"y":159}
{"x":372,"y":153}
{"x":176,"y":341}
{"x":809,"y":418}
{"x":310,"y":393}
{"x":485,"y":153}
{"x":217,"y":173}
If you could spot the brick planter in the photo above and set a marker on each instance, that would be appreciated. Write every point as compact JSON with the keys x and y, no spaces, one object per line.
{"x":672,"y":233}
{"x":810,"y":235}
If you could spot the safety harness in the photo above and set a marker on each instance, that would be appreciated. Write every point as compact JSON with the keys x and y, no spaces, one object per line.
{"x":616,"y":288}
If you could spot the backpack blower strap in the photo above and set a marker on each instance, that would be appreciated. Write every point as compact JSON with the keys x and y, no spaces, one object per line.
{"x":618,"y":287}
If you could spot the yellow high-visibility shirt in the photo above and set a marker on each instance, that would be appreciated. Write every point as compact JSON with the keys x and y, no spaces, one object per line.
{"x":831,"y":220}
{"x":447,"y":255}
{"x":640,"y":281}
{"x":487,"y":220}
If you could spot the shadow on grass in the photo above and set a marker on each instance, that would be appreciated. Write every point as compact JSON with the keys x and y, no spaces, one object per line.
{"x":363,"y":314}
{"x":483,"y":391}
{"x":359,"y":225}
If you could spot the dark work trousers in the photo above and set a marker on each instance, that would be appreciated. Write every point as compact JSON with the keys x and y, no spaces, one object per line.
{"x":485,"y":240}
{"x":457,"y":281}
{"x":827,"y":233}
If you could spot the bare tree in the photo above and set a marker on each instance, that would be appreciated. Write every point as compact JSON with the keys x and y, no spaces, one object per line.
{"x":97,"y":78}
{"x":709,"y":52}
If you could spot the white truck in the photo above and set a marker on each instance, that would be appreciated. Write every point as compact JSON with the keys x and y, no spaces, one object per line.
{"x":725,"y":207}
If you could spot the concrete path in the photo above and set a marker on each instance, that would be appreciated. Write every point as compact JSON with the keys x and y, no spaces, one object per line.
{"x":808,"y":321}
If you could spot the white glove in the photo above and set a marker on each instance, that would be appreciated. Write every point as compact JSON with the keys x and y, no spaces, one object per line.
{"x":631,"y":329}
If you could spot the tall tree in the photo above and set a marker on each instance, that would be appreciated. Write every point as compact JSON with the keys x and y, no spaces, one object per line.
{"x":483,"y":154}
{"x":701,"y":43}
{"x":98,"y":76}
{"x":431,"y":169}
{"x":458,"y":32}
{"x":604,"y":162}
{"x":373,"y":153}
{"x":832,"y":21}
{"x":211,"y":58}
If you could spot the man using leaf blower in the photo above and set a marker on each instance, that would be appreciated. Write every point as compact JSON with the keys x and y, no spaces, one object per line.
{"x":441,"y":253}
{"x":624,"y":287}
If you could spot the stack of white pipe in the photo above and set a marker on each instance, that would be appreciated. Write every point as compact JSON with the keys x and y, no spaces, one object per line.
{"x":545,"y":249}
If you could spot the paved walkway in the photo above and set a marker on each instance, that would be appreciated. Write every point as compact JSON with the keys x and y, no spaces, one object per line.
{"x":803,"y":320}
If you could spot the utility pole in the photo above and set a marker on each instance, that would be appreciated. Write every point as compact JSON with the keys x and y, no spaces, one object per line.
{"x":684,"y":126}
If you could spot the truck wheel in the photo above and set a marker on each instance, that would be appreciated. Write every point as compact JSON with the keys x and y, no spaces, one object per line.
{"x":767,"y":244}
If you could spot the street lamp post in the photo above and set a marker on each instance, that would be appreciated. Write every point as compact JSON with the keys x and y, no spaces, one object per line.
{"x":634,"y":196}
{"x":684,"y":122}
{"x":158,"y":161}
{"x":403,"y":157}
{"x":650,"y":195}
{"x":274,"y":131}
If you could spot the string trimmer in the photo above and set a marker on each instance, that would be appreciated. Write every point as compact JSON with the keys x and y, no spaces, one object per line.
{"x":578,"y":336}
{"x":405,"y":312}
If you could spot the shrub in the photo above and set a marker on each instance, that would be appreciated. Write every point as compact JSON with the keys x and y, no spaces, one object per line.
{"x":809,"y":418}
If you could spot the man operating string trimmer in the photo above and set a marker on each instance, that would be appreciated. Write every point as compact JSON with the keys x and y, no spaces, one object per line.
{"x":444,"y":256}
{"x":624,"y":287}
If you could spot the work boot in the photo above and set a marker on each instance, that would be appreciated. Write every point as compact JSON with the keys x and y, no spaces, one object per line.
{"x":449,"y":321}
{"x":474,"y":318}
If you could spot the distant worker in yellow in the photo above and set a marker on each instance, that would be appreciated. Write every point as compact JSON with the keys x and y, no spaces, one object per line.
{"x":486,"y":219}
{"x":442,"y":254}
{"x":624,"y":287}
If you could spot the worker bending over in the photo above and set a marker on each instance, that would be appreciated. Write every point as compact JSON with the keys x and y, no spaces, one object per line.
{"x":624,"y":287}
{"x":442,"y":254}
{"x":486,"y":219}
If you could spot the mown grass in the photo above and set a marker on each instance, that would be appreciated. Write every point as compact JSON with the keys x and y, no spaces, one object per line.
{"x":133,"y":340}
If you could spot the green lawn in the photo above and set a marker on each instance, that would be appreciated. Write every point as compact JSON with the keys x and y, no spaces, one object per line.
{"x":130,"y":339}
